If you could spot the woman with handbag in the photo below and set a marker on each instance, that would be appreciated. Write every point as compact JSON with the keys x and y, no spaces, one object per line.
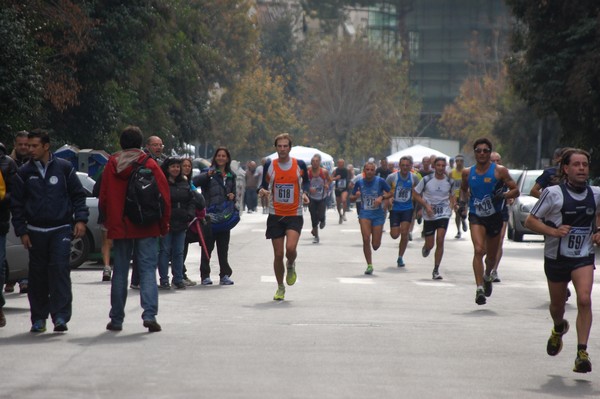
{"x":218,"y":187}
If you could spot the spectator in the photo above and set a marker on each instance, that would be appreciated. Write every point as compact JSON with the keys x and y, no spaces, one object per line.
{"x":187,"y":171}
{"x":8,"y":168}
{"x":154,"y":147}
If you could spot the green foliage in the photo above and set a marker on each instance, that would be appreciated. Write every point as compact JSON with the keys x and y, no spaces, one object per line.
{"x":554,"y":65}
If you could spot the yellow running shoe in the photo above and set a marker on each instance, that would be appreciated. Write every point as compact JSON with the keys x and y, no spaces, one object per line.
{"x":555,"y":342}
{"x":280,"y":294}
{"x":582,"y":362}
{"x":290,"y":278}
{"x":369,"y":269}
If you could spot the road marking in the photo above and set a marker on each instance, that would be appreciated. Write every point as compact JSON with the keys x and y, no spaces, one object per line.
{"x":335,"y":325}
{"x":352,"y":280}
{"x":434,"y":283}
{"x":268,"y":279}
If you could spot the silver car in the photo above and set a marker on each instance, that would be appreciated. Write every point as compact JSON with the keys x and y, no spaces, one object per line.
{"x":522,"y":206}
{"x":18,"y":258}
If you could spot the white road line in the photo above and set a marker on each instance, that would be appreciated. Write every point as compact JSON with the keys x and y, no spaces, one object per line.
{"x":434,"y":283}
{"x":351,"y":280}
{"x":268,"y":279}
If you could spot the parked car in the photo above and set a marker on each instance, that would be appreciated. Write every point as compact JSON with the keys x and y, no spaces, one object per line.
{"x":18,"y":258}
{"x":522,"y":206}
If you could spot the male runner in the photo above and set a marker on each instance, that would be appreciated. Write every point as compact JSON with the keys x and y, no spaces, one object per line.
{"x":496,"y":158}
{"x":482,"y":184}
{"x":401,"y":204}
{"x":568,"y":215}
{"x":285,"y":181}
{"x":340,"y":177}
{"x":372,"y":190}
{"x":319,"y":184}
{"x":460,"y":207}
{"x":434,"y":193}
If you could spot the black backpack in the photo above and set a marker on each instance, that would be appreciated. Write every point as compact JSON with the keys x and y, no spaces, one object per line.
{"x":144,"y":203}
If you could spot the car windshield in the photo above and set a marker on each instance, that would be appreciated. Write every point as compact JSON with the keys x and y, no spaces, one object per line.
{"x":529,"y":181}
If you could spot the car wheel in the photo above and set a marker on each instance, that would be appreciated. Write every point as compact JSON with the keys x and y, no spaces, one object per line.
{"x":80,"y":250}
{"x":517,"y":237}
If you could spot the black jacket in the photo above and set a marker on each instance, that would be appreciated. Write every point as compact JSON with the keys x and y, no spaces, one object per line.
{"x":183,"y":205}
{"x":214,"y":188}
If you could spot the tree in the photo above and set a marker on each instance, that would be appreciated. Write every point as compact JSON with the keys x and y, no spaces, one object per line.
{"x":350,"y":90}
{"x":252,"y":113}
{"x":554,"y":65}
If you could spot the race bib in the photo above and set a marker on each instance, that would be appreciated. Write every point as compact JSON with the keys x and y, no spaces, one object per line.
{"x":369,"y":202}
{"x":438,"y":209}
{"x":402,"y":194}
{"x":317,"y":186}
{"x":577,"y":243}
{"x":284,"y":193}
{"x":341,"y":183}
{"x":484,"y":207}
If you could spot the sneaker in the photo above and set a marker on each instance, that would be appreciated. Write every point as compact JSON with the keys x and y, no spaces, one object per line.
{"x":487,"y":285}
{"x":464,"y":225}
{"x":114,"y":326}
{"x":555,"y":342}
{"x":9,"y":287}
{"x":457,"y":235}
{"x":134,"y":286}
{"x":290,"y":277}
{"x":436,"y":275}
{"x":480,"y":297}
{"x":164,"y":286}
{"x":60,"y":325}
{"x":495,"y":277}
{"x":322,"y":225}
{"x":582,"y":362}
{"x":23,"y":288}
{"x":225,"y":280}
{"x":188,"y":282}
{"x":369,"y":269}
{"x":400,"y":262}
{"x":425,"y":252}
{"x":106,"y":273}
{"x":206,"y":281}
{"x":2,"y":318}
{"x":152,"y":325}
{"x":39,"y":326}
{"x":280,"y":293}
{"x":316,"y":240}
{"x":179,"y":286}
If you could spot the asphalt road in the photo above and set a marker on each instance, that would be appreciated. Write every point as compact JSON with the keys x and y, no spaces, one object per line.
{"x":338,"y":334}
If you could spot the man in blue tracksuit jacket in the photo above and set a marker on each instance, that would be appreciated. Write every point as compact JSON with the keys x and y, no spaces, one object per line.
{"x":48,"y":210}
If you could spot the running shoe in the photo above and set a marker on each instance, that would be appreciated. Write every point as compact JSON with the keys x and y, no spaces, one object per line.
{"x":369,"y":269}
{"x":291,"y":276}
{"x":480,"y":297}
{"x":582,"y":362}
{"x":316,"y":240}
{"x":225,"y":280}
{"x":464,"y":225}
{"x":280,"y":293}
{"x":179,"y":286}
{"x":188,"y":282}
{"x":487,"y":285}
{"x":425,"y":252}
{"x":106,"y":273}
{"x":39,"y":326}
{"x":555,"y":342}
{"x":60,"y":325}
{"x":322,"y":225}
{"x":206,"y":281}
{"x":436,"y":275}
{"x":400,"y":262}
{"x":457,"y":235}
{"x":495,"y":277}
{"x":164,"y":286}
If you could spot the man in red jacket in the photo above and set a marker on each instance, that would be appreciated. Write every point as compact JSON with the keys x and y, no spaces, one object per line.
{"x":129,"y":237}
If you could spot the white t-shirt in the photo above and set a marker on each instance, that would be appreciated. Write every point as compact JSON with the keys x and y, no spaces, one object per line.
{"x":436,"y":192}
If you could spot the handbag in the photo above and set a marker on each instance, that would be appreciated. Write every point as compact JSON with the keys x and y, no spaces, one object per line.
{"x":223,"y":216}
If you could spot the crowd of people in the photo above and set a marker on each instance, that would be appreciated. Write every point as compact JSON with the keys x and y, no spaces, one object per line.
{"x":47,"y":203}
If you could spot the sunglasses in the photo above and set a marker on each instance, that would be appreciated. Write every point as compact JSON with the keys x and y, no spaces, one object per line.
{"x":484,"y":150}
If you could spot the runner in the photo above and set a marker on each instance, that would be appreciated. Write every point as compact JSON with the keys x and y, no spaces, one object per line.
{"x":319,"y":185}
{"x":401,"y":204}
{"x":434,"y":193}
{"x":497,"y":159}
{"x":567,"y":215}
{"x":482,"y":184}
{"x":285,"y":182}
{"x":372,"y":190}
{"x":460,"y":207}
{"x":340,"y":177}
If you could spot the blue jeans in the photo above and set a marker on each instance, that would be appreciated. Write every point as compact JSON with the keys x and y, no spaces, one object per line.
{"x":147,"y":256}
{"x":171,"y":248}
{"x":50,"y":274}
